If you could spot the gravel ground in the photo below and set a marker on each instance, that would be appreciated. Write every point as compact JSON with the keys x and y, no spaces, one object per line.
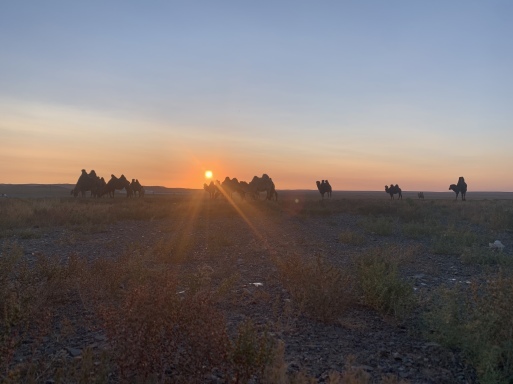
{"x":379,"y":345}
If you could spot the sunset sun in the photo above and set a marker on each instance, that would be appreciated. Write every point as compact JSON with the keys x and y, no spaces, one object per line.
{"x":208,"y":174}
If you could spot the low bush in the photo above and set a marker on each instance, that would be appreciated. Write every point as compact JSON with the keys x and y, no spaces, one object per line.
{"x":379,"y":281}
{"x":453,"y":242}
{"x":380,"y":225}
{"x":319,"y":290}
{"x":480,"y":323}
{"x":485,"y":256}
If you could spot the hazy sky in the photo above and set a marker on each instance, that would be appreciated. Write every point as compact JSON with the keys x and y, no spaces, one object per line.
{"x":363,"y":93}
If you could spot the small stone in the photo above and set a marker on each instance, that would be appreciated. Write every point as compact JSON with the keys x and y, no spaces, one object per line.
{"x":74,"y":351}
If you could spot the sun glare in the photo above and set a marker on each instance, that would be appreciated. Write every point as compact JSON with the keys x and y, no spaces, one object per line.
{"x":208,"y":174}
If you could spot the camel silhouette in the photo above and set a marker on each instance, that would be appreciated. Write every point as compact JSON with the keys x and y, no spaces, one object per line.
{"x":324,"y":187}
{"x":117,"y":184}
{"x":211,"y":189}
{"x":393,"y":190}
{"x":137,"y":188}
{"x":86,"y":182}
{"x":461,"y":187}
{"x":263,"y":184}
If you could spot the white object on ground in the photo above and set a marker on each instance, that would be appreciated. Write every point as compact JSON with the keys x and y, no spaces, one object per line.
{"x":496,"y":245}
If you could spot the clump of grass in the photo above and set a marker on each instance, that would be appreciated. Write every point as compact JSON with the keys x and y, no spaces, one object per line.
{"x":351,"y":237}
{"x":485,"y":256}
{"x":453,"y":242}
{"x":319,"y":289}
{"x":379,"y":281}
{"x":480,"y":323}
{"x":416,"y":230}
{"x":380,"y":225}
{"x":251,"y":352}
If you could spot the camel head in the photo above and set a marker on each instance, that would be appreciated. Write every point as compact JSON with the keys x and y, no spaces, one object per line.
{"x":452,"y":187}
{"x":386,"y":188}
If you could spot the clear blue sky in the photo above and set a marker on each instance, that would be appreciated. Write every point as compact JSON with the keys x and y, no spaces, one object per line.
{"x":363,"y":93}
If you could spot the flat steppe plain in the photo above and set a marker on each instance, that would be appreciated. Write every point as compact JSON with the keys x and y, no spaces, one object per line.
{"x":175,"y":287}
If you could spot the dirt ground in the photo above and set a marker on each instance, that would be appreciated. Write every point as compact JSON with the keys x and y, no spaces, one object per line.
{"x":245,"y":240}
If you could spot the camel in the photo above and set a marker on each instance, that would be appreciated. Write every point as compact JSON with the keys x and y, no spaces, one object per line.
{"x":98,"y":186}
{"x":324,"y":187}
{"x":263,"y":184}
{"x":137,"y":188}
{"x":230,"y":186}
{"x":394,"y":189}
{"x":460,"y":187}
{"x":242,"y":189}
{"x":420,"y":195}
{"x":211,"y":189}
{"x":85,"y":182}
{"x":115,"y":183}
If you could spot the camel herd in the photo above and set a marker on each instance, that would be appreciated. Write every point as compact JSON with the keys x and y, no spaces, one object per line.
{"x":98,"y":187}
{"x":230,"y":186}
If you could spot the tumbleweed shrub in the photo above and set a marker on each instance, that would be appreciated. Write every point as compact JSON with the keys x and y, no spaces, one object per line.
{"x":453,"y":241}
{"x":380,"y":283}
{"x":319,"y":289}
{"x":479,"y":321}
{"x":485,"y":256}
{"x":351,"y":238}
{"x":379,"y":225}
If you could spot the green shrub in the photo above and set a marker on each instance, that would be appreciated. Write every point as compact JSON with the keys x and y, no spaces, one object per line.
{"x":379,"y":281}
{"x":380,"y":225}
{"x":485,"y":256}
{"x":416,"y":230}
{"x":453,"y":242}
{"x":480,"y":323}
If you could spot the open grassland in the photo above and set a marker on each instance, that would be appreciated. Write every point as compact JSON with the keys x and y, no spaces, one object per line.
{"x":181,"y":288}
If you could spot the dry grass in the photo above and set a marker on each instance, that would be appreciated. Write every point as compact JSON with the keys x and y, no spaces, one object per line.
{"x":163,"y":316}
{"x":319,"y":289}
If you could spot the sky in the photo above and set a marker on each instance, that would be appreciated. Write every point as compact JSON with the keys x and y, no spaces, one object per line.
{"x":362,"y":93}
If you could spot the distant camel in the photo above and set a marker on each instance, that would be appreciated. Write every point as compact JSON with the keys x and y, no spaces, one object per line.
{"x":98,"y":186}
{"x":137,"y":188}
{"x":273,"y":195}
{"x":460,"y":187}
{"x":229,"y":186}
{"x":394,"y":189}
{"x":85,"y":183}
{"x":324,"y":187}
{"x":211,"y":189}
{"x":421,"y":195}
{"x":115,"y":183}
{"x":263,"y":184}
{"x":243,"y":189}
